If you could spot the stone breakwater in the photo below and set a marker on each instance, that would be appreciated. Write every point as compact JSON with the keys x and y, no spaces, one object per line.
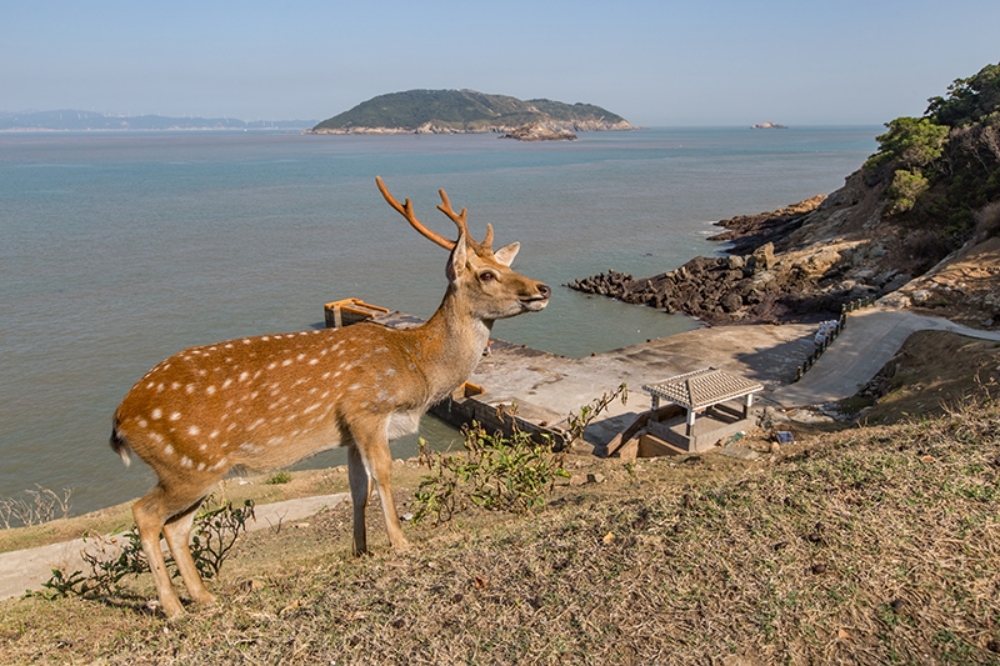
{"x":751,"y":285}
{"x":717,"y":290}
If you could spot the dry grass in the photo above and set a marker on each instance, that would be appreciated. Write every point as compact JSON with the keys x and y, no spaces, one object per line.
{"x":873,"y":546}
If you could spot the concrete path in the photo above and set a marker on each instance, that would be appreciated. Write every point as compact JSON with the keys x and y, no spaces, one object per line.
{"x":872,"y":337}
{"x":25,"y":570}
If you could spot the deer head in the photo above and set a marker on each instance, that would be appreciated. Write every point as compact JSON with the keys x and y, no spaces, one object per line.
{"x":267,"y":401}
{"x":493,"y":290}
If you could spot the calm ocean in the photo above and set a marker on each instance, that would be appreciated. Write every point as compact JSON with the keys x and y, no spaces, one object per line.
{"x":119,"y":249}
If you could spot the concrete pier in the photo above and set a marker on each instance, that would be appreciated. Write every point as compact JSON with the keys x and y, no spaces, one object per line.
{"x":543,"y":389}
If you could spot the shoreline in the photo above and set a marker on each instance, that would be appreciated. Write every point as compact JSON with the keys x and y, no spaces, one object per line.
{"x":767,"y":353}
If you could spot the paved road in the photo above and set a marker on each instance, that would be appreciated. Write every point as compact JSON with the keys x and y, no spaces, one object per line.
{"x":872,"y":337}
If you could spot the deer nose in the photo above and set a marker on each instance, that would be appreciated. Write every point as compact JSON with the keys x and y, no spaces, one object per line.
{"x":544,"y":290}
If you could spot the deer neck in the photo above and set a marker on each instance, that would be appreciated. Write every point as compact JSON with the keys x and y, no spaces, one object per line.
{"x":455,"y":338}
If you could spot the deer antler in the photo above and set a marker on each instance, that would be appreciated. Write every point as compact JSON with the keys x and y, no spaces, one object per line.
{"x":406,"y":210}
{"x":459,"y":219}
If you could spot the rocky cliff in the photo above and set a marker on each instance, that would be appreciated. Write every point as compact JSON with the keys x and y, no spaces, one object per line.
{"x":805,"y":261}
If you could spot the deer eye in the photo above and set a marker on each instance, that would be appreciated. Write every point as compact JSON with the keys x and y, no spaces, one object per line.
{"x":487,"y":276}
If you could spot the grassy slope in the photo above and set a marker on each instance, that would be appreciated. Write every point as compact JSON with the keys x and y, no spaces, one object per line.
{"x":871,"y":545}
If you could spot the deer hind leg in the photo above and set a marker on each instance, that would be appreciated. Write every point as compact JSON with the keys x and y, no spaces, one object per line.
{"x":373,"y":449}
{"x":361,"y":488}
{"x":150,"y":515}
{"x":177,"y":532}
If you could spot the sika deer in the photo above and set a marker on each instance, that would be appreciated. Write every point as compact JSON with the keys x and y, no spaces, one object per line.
{"x":268,"y":401}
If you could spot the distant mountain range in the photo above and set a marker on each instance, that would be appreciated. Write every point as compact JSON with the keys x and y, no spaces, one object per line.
{"x":463,"y":111}
{"x":86,"y":120}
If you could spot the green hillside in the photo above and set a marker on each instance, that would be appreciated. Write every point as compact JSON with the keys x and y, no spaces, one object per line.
{"x":458,"y":111}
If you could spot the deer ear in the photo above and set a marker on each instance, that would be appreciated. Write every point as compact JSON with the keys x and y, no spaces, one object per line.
{"x":456,"y":262}
{"x":506,"y":254}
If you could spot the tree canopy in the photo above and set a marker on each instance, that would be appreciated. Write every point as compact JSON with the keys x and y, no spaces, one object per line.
{"x":942,"y":167}
{"x":969,"y":100}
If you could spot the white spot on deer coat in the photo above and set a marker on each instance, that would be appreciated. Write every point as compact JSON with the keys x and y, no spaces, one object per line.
{"x":156,"y":414}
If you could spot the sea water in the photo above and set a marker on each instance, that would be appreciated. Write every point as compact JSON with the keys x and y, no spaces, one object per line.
{"x":120,"y":249}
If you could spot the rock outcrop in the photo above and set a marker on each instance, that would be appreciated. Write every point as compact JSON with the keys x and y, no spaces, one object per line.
{"x":539,"y":132}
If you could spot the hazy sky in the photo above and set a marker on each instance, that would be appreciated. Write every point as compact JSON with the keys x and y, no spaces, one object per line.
{"x":704,"y":62}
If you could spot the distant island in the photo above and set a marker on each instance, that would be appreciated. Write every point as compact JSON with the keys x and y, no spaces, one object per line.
{"x":768,"y":125}
{"x":73,"y":120}
{"x":467,"y":111}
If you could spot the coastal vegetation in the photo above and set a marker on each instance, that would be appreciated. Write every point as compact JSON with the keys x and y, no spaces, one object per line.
{"x":945,"y":165}
{"x":460,"y":111}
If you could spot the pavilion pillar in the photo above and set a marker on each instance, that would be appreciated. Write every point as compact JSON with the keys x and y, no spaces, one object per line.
{"x":747,"y":405}
{"x":690,"y":422}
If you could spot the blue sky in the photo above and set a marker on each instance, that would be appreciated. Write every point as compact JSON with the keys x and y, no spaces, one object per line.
{"x":706,"y":62}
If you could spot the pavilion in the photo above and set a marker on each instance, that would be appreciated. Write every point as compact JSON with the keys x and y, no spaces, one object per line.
{"x":710,"y":405}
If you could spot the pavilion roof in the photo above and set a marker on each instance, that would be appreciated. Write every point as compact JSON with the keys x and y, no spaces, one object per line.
{"x":703,"y":388}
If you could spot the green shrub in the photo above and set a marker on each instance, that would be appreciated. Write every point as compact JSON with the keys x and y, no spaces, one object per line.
{"x":906,"y":186}
{"x":910,"y":142}
{"x":111,"y":559}
{"x":279,"y":478}
{"x":496,"y":472}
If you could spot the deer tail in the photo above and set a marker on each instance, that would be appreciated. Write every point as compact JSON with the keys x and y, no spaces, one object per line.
{"x":120,"y":446}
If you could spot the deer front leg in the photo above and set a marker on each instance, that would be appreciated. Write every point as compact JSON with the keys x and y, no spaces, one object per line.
{"x":361,"y":488}
{"x":373,"y":449}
